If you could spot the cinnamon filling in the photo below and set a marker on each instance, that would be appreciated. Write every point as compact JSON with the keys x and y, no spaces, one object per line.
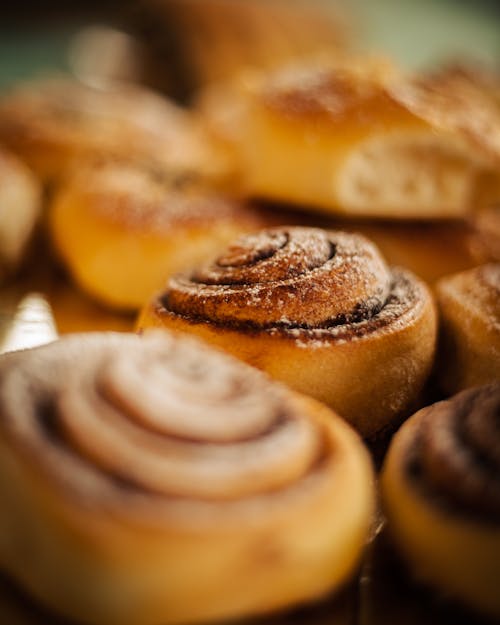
{"x":456,"y":459}
{"x":157,"y":417}
{"x":286,"y":278}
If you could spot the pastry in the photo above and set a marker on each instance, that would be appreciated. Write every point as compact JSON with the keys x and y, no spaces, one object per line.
{"x":54,"y":123}
{"x":441,"y":493}
{"x":485,"y":243}
{"x":238,"y":35}
{"x":469,"y":304}
{"x":361,"y":138}
{"x":151,"y":480}
{"x":123,"y":228}
{"x":430,"y":249}
{"x":319,"y":310}
{"x":19,"y":209}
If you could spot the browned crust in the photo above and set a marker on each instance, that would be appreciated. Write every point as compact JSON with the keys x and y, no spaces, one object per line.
{"x":370,"y":91}
{"x":140,"y":197}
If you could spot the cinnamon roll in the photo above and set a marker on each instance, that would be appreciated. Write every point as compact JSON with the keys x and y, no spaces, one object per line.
{"x":360,"y":137}
{"x":469,"y":304}
{"x":54,"y":123}
{"x":151,"y":480}
{"x":123,"y":228}
{"x":319,"y":310}
{"x":19,"y":210}
{"x":485,"y":243}
{"x":441,"y":491}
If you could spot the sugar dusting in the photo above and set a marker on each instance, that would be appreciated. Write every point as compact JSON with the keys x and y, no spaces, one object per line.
{"x":139,"y":197}
{"x":350,"y":294}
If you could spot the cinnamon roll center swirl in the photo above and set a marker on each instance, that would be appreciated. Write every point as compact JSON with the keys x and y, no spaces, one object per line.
{"x":166,"y":417}
{"x":294,"y":277}
{"x":457,"y":456}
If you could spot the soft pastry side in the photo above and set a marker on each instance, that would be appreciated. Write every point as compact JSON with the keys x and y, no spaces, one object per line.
{"x":361,"y":137}
{"x":469,"y":304}
{"x":55,"y":123}
{"x":319,"y":310}
{"x":441,"y":495}
{"x":123,"y":228}
{"x":20,"y":201}
{"x":150,"y":480}
{"x":485,"y":240}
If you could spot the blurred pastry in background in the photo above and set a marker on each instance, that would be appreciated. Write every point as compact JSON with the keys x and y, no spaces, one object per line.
{"x":122,"y":228}
{"x":54,"y":123}
{"x":485,"y":242}
{"x":360,"y":137}
{"x":469,"y":304}
{"x":20,"y":199}
{"x":467,"y":73}
{"x":203,"y":42}
{"x":441,"y":494}
{"x":318,"y":310}
{"x":431,"y":250}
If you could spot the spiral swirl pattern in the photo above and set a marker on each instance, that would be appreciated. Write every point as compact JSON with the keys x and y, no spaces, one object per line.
{"x":162,"y":417}
{"x":293,"y":277}
{"x":155,"y":480}
{"x":457,"y":456}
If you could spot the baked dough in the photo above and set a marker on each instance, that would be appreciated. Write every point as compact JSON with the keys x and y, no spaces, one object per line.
{"x":55,"y":123}
{"x":122,"y":229}
{"x":485,"y":242}
{"x":441,"y":495}
{"x":20,"y":201}
{"x":360,"y":137}
{"x":469,"y":304}
{"x":151,"y":480}
{"x":319,"y":310}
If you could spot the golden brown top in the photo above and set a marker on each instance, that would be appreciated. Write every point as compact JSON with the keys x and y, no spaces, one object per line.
{"x":456,"y":458}
{"x":66,"y":118}
{"x":296,"y":280}
{"x":454,"y":105}
{"x":158,"y":426}
{"x":335,"y":89}
{"x":371,"y":92}
{"x":476,"y":290}
{"x":486,"y":225}
{"x":139,"y":197}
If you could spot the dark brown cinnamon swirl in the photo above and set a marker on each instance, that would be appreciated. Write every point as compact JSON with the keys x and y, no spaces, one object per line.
{"x":441,"y":489}
{"x":150,"y":480}
{"x":317,"y":309}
